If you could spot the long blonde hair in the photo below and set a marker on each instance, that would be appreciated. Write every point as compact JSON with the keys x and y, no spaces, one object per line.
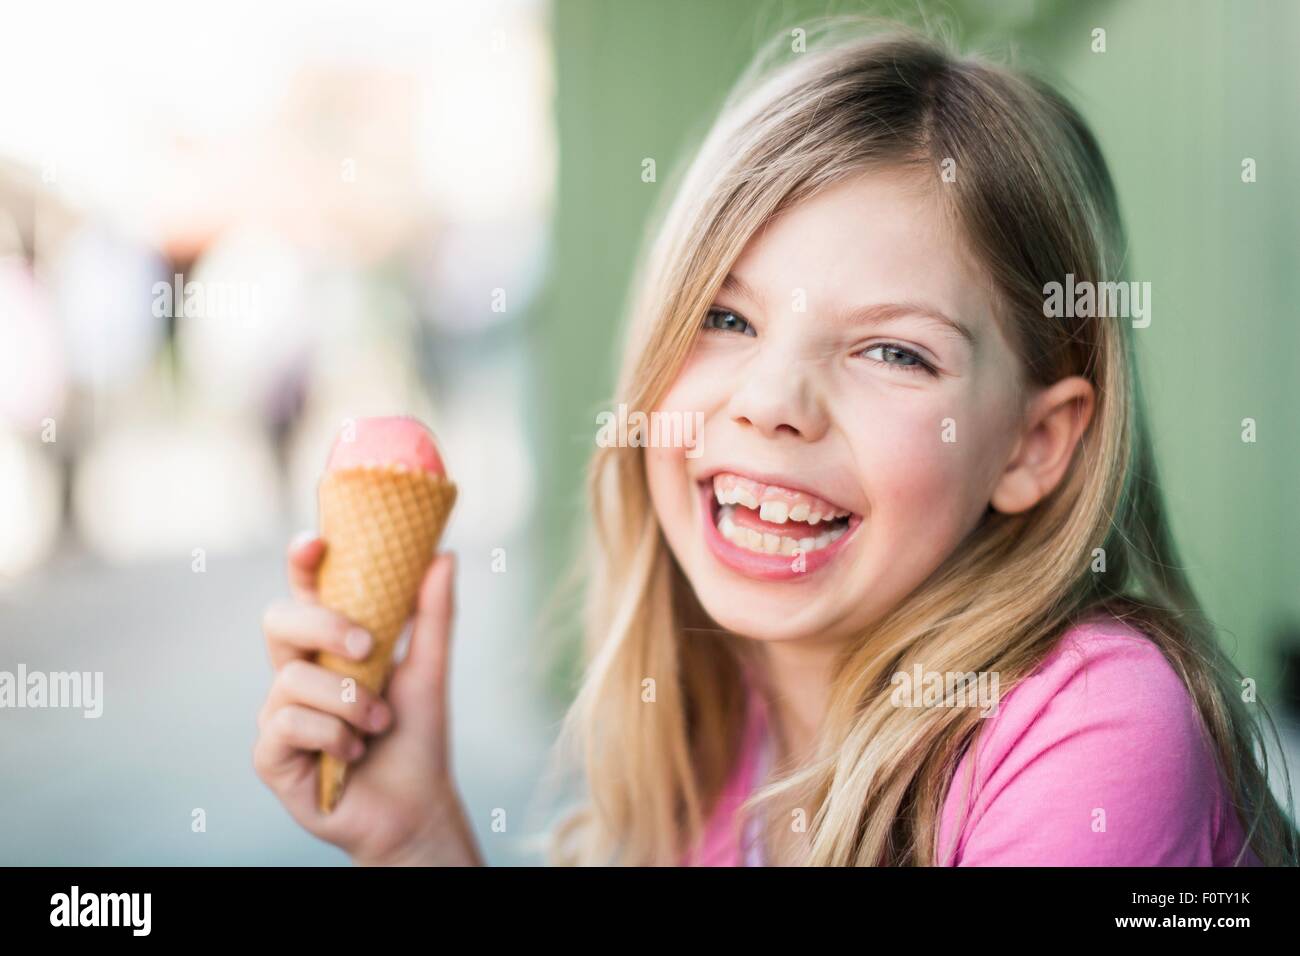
{"x":1033,"y":198}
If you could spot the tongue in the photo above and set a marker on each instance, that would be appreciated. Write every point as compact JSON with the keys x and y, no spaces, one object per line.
{"x":748,"y":518}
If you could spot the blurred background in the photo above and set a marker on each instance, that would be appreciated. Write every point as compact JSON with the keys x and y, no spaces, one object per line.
{"x":225,"y":228}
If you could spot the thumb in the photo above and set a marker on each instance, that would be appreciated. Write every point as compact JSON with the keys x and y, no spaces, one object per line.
{"x":419,"y":684}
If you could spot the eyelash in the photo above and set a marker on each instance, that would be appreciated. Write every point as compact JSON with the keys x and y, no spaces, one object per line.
{"x":919,"y":364}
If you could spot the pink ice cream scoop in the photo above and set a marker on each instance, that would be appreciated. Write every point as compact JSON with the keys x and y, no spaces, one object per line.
{"x":388,"y":440}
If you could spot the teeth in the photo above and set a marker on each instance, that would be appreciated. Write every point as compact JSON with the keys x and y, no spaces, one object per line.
{"x":726,"y":524}
{"x":768,"y":543}
{"x":773,"y":504}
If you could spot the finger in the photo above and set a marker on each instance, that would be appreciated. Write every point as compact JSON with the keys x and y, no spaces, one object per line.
{"x":420,"y":682}
{"x":297,"y":630}
{"x":301,"y":682}
{"x":295,"y":729}
{"x":304,"y":556}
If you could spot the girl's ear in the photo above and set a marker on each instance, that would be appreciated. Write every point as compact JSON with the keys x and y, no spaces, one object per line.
{"x":1055,"y":420}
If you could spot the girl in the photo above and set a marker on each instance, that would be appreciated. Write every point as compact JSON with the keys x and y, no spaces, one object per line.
{"x":912,"y":598}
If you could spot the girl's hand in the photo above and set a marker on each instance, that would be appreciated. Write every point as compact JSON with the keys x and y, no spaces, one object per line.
{"x":399,"y":804}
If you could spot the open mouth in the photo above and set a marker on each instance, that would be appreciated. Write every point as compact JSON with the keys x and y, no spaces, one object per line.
{"x":770,"y":531}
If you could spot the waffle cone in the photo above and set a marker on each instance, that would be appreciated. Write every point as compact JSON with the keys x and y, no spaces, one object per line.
{"x":381,"y":526}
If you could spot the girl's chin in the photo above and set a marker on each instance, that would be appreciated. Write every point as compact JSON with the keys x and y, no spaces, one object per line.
{"x":759,"y":619}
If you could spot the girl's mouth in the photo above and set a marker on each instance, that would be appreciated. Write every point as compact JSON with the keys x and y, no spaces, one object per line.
{"x":770,"y":532}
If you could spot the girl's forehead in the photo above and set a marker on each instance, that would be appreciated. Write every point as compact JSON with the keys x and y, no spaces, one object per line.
{"x":877,"y":237}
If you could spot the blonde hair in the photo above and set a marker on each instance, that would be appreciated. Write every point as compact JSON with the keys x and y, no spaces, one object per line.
{"x":1034,"y":200}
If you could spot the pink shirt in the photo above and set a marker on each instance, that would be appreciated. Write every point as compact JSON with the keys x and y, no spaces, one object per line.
{"x":1096,"y":759}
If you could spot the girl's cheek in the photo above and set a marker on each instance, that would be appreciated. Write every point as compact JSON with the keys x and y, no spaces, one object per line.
{"x":700,"y":385}
{"x":691,"y":408}
{"x":664,"y":478}
{"x":672,"y":497}
{"x":915,"y":456}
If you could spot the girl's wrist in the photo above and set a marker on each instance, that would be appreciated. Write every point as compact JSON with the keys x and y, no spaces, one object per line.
{"x":423,"y":853}
{"x":445,"y":841}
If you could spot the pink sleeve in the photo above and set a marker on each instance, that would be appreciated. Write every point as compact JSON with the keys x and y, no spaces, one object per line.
{"x":1098,"y":759}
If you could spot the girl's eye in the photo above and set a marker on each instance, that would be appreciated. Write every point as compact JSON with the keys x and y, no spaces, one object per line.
{"x":899,"y":357}
{"x":722,"y":320}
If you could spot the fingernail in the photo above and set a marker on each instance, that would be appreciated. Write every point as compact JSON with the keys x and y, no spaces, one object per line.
{"x":377,"y":717}
{"x":301,"y":539}
{"x":357,"y":641}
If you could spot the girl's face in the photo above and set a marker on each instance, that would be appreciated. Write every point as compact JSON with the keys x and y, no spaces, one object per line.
{"x":851,"y":369}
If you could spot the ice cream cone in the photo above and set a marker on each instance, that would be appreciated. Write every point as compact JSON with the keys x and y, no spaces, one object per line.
{"x":381,"y":524}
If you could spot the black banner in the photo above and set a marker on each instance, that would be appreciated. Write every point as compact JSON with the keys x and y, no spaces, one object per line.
{"x":342,"y":905}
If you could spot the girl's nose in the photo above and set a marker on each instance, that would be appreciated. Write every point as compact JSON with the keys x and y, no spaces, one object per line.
{"x":781,"y":401}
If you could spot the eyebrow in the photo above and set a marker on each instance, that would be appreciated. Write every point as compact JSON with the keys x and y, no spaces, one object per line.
{"x":880,"y":312}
